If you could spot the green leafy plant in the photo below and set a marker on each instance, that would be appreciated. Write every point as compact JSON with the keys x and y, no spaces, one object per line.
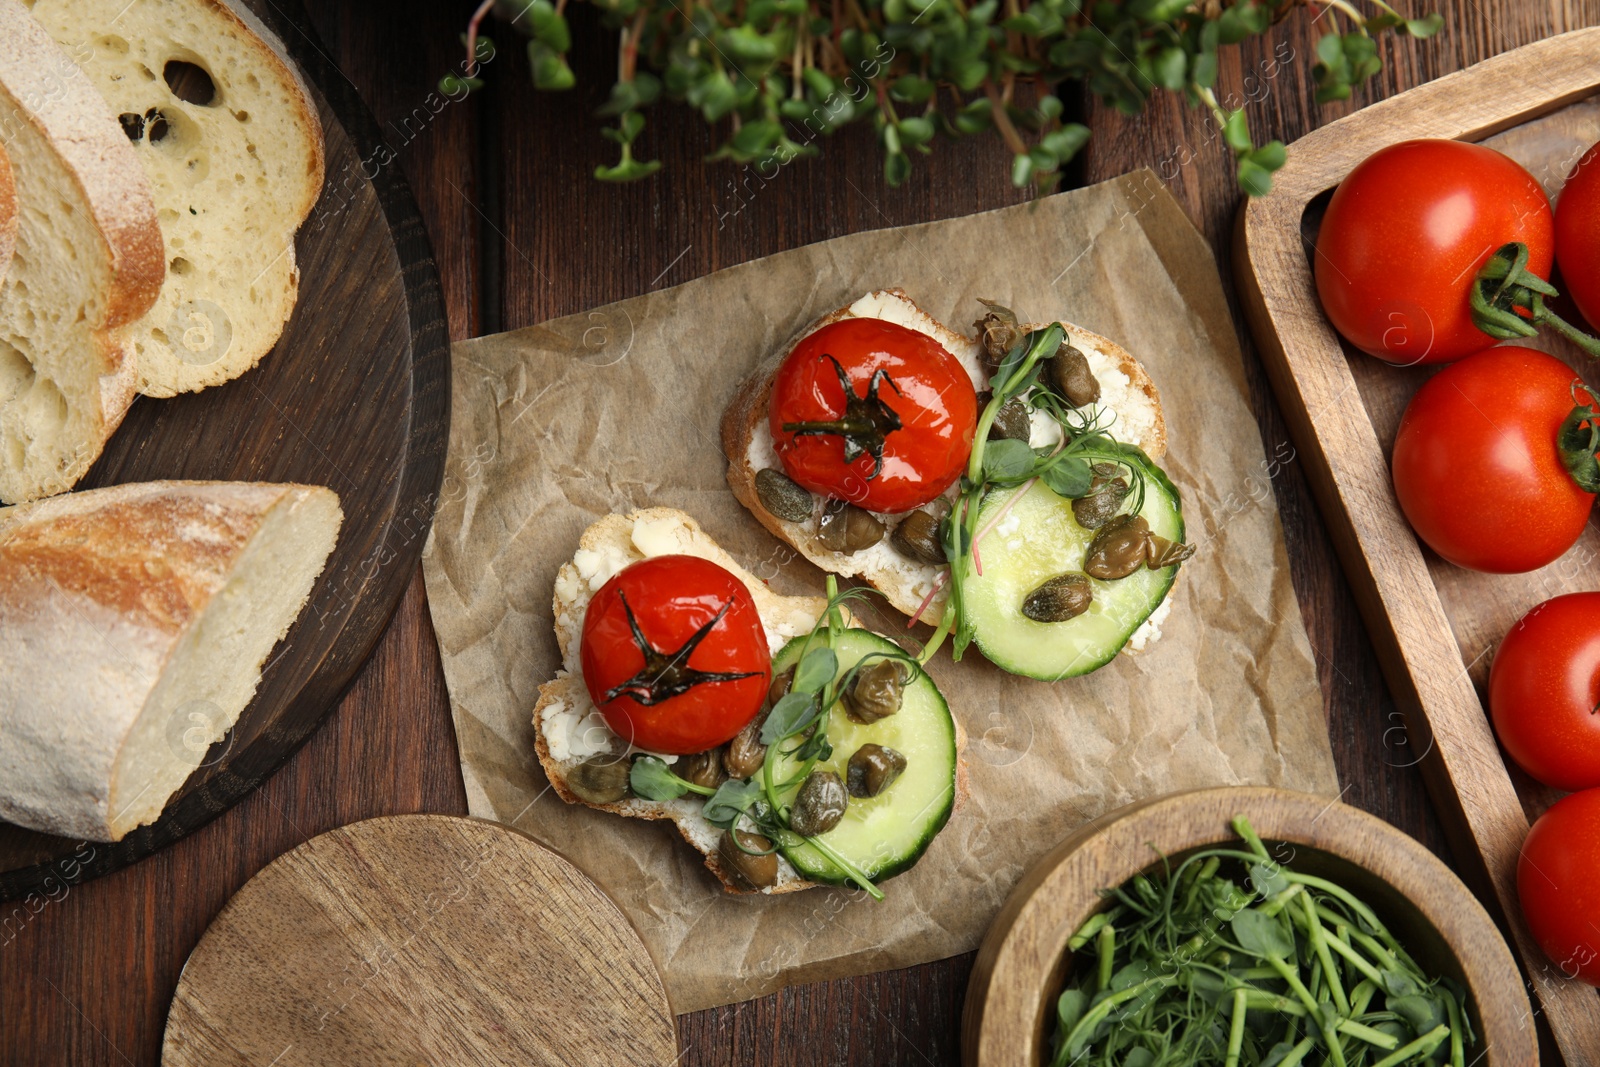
{"x":777,"y":74}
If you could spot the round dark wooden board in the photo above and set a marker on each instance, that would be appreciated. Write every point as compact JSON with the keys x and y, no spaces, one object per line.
{"x":356,"y":396}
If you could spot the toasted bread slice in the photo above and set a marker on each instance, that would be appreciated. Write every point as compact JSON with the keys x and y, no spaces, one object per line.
{"x":8,"y":213}
{"x":1126,"y":389}
{"x":567,"y":727}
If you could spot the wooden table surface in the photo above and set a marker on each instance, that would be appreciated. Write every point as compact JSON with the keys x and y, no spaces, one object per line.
{"x":522,"y":233}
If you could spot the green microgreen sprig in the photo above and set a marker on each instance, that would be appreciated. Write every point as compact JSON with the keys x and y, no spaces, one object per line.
{"x":1204,"y":968}
{"x":775,"y":75}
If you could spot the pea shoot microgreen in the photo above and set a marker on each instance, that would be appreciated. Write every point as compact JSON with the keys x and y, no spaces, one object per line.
{"x":1235,"y":960}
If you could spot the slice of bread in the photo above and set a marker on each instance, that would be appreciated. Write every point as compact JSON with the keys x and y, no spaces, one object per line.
{"x":747,"y":441}
{"x":87,"y":262}
{"x":230,"y":139}
{"x":566,"y":719}
{"x":134,"y":622}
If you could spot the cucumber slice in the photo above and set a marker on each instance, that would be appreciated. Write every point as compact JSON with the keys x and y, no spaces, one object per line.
{"x":886,"y":834}
{"x":1039,"y":539}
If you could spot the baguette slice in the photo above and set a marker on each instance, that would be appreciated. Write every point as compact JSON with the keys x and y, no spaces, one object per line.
{"x":134,"y":622}
{"x":747,"y":441}
{"x":234,"y":176}
{"x":88,"y":262}
{"x":568,"y":728}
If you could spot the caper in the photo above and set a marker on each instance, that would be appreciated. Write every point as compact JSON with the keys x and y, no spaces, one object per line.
{"x":819,"y":805}
{"x":745,"y":753}
{"x":1118,"y":549}
{"x":875,"y":692}
{"x":601,"y":779}
{"x":998,"y":332}
{"x":847,"y":528}
{"x":1071,"y":378}
{"x":1012,"y":422}
{"x":917,"y":537}
{"x":1106,"y":494}
{"x":780,"y":495}
{"x":703,"y":768}
{"x":1066,"y":596}
{"x":750,"y":871}
{"x":1159,"y":552}
{"x":873,"y":769}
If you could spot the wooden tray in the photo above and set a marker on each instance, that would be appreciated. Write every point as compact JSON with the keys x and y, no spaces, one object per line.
{"x":356,"y":397}
{"x":420,"y":939}
{"x":1010,"y":1016}
{"x":1434,"y":625}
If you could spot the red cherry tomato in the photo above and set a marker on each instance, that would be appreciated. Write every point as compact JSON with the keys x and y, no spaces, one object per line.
{"x":911,"y":398}
{"x":706,"y":669}
{"x":1543,"y":690}
{"x":1558,"y":881}
{"x":1578,"y":235}
{"x":1476,"y":467}
{"x":1404,"y":236}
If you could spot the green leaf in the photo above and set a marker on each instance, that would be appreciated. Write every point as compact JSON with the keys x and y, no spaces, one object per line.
{"x":1021,"y":170}
{"x":1269,"y":881}
{"x":1236,"y":131}
{"x":1399,"y":983}
{"x":1261,"y":934}
{"x":1420,"y":1012}
{"x":974,"y":118}
{"x":1050,"y":107}
{"x":1426,"y":26}
{"x":652,"y":779}
{"x":820,"y":84}
{"x":791,"y":714}
{"x":731,"y":800}
{"x":627,"y":170}
{"x":1068,"y":478}
{"x":550,"y":70}
{"x":896,"y":168}
{"x":816,"y":670}
{"x":1254,"y":178}
{"x":910,"y":89}
{"x":1386,"y":21}
{"x":1130,"y":975}
{"x":1171,"y":67}
{"x":1269,"y":156}
{"x":756,"y":137}
{"x":1067,"y":141}
{"x":1070,"y":1008}
{"x":1008,"y":461}
{"x":916,"y":131}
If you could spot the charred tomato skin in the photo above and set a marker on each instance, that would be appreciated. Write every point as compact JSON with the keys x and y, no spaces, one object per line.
{"x":926,"y":387}
{"x":672,"y":599}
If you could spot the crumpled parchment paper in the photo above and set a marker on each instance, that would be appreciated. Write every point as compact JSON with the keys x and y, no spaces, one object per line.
{"x":555,"y":425}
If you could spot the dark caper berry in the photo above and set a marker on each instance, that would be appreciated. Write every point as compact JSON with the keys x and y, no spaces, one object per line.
{"x":780,"y":495}
{"x":873,"y":769}
{"x":819,"y":805}
{"x":1066,"y":596}
{"x":998,"y":333}
{"x":875,"y":692}
{"x":750,"y":871}
{"x":1012,"y":421}
{"x":745,"y":753}
{"x":1159,"y":552}
{"x":1070,"y":377}
{"x":847,"y":528}
{"x":1104,"y":499}
{"x":917,"y":537}
{"x":1118,"y":549}
{"x":703,"y":768}
{"x":601,"y":779}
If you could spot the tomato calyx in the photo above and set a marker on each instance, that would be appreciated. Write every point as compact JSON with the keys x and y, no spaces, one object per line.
{"x":864,"y":424}
{"x":667,"y":674}
{"x":1577,"y":440}
{"x":1508,"y":301}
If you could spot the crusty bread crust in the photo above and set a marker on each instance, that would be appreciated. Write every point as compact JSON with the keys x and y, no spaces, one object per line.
{"x":746,"y":416}
{"x":58,"y":99}
{"x":8,"y":212}
{"x":569,"y":689}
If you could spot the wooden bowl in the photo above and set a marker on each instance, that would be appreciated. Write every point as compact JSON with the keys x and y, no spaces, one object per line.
{"x":1023,"y":962}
